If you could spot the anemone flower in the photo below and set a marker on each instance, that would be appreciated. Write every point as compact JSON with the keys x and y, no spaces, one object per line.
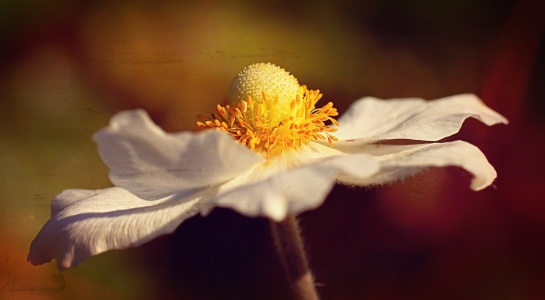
{"x":271,"y":152}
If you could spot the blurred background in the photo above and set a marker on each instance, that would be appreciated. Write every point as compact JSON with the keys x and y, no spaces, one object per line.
{"x":67,"y":66}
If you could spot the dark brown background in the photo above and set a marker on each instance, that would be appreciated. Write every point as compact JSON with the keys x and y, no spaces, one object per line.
{"x":68,"y":66}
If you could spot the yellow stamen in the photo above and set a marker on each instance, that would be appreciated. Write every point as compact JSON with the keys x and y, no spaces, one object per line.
{"x":289,"y":120}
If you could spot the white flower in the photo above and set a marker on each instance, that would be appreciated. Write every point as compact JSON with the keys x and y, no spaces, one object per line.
{"x":286,"y":161}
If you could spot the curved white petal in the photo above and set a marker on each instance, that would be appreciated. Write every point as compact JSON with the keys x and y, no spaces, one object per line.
{"x":153,"y":164}
{"x":261,"y":192}
{"x":85,"y":223}
{"x":371,"y":119}
{"x":399,"y":161}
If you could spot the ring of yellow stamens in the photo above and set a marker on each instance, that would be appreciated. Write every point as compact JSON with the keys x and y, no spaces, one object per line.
{"x":266,"y":125}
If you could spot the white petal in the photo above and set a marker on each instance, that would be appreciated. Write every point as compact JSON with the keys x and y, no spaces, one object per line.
{"x":86,"y":223}
{"x":153,"y":164}
{"x":371,"y":119}
{"x":399,"y":161}
{"x":273,"y":194}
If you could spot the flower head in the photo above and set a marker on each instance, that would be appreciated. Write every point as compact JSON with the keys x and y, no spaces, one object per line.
{"x":274,"y":152}
{"x":268,"y":110}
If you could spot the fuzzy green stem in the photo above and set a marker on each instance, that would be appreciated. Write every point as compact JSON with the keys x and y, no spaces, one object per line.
{"x":290,"y":249}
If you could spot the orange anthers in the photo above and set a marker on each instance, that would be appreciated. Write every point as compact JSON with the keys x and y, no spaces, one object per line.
{"x":264,"y":125}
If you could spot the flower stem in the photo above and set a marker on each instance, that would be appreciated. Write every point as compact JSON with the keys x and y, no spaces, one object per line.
{"x":290,"y":249}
